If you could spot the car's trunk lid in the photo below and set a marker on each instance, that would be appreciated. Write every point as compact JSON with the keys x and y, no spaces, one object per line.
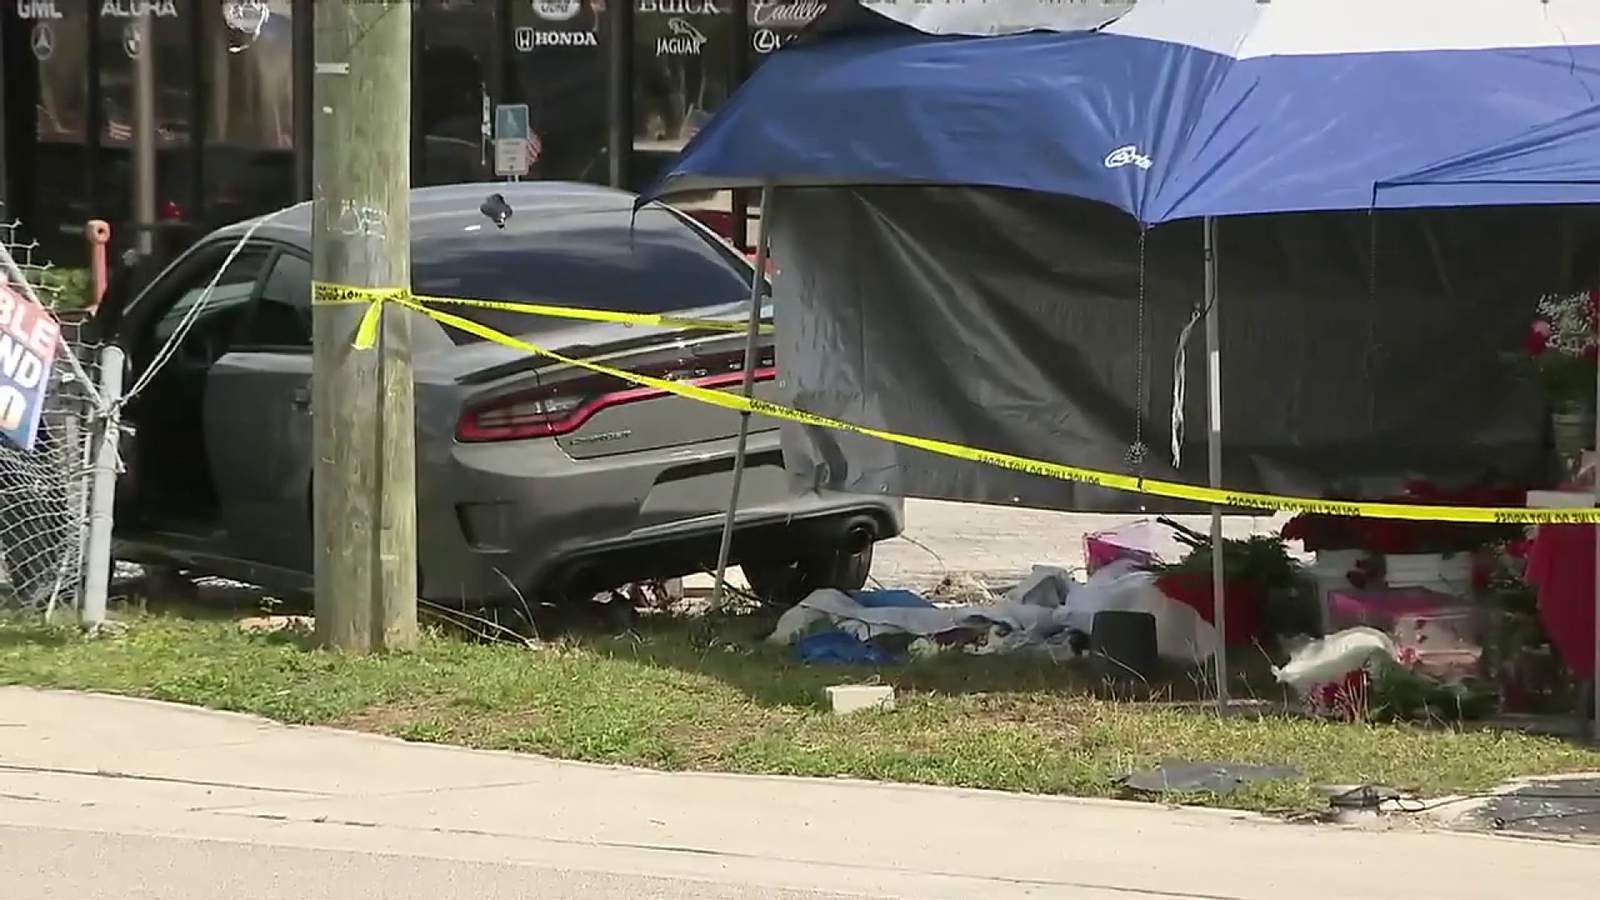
{"x":603,"y":415}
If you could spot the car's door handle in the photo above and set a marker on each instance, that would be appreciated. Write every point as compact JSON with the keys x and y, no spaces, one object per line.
{"x":302,"y":397}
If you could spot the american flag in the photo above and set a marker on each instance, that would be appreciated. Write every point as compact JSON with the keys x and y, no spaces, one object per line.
{"x":535,"y":146}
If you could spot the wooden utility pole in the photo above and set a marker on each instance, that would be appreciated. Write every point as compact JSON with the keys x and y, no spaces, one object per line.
{"x":365,"y":478}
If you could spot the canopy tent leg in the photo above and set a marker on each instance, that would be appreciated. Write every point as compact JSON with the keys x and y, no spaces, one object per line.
{"x":1595,"y":673}
{"x":751,"y":352}
{"x":1214,"y":453}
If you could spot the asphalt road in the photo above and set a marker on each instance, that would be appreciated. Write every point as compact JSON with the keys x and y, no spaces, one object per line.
{"x":106,"y":865}
{"x":999,"y":545}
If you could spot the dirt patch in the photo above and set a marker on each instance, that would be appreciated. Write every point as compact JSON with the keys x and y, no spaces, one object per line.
{"x":710,"y":742}
{"x":397,"y":717}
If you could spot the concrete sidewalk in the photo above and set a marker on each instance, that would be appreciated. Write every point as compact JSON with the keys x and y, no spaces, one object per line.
{"x":112,"y":797}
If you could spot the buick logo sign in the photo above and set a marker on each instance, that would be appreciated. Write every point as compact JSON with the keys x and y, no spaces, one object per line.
{"x":1128,"y":156}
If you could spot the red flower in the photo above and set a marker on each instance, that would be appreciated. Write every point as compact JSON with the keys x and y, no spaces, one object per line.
{"x":1537,"y":340}
{"x":1519,"y":549}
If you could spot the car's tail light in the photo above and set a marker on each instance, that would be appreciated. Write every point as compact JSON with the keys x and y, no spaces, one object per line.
{"x":565,"y":406}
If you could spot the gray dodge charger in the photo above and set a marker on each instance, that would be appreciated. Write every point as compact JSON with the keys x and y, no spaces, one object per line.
{"x":534,"y":479}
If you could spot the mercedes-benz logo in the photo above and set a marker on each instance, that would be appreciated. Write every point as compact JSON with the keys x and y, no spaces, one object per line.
{"x":43,"y":41}
{"x":132,"y":40}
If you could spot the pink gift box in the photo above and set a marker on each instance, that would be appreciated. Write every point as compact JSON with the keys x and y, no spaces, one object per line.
{"x":1382,"y":609}
{"x":1106,"y":547}
{"x":1439,"y":628}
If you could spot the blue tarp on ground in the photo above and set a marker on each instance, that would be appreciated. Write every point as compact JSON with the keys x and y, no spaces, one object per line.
{"x":1181,"y":108}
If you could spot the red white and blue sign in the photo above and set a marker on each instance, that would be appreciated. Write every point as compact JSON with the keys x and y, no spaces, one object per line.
{"x":29,"y":336}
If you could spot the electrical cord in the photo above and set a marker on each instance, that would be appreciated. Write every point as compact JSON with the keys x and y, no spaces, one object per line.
{"x":1372,"y":796}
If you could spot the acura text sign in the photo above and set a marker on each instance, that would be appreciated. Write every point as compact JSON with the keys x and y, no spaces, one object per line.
{"x":28,"y":339}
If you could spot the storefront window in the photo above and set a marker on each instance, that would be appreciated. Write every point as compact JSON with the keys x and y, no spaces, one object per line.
{"x":559,"y":65}
{"x":247,"y":63}
{"x":58,"y":36}
{"x":684,"y":56}
{"x":169,"y":44}
{"x":248,"y":55}
{"x":173,"y":62}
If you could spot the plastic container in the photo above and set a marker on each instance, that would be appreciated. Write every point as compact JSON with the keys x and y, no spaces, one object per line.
{"x":1446,"y":574}
{"x":1330,"y":571}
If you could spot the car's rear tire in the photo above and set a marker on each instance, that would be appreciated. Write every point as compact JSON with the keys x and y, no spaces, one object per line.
{"x":787,"y":582}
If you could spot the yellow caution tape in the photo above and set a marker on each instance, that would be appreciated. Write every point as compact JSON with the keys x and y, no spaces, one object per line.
{"x":1112,"y":480}
{"x":323,"y":294}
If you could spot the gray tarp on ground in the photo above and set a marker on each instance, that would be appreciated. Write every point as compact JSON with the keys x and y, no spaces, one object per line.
{"x":1008,"y":321}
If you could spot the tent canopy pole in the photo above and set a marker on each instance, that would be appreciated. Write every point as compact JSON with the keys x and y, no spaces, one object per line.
{"x":1595,"y":488}
{"x":758,"y":283}
{"x":1214,"y":457}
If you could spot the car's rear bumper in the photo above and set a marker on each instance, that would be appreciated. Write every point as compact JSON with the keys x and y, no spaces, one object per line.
{"x":523,"y":517}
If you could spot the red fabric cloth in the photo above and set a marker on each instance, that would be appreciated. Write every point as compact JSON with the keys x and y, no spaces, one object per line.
{"x":1242,"y":604}
{"x":1561,"y":566}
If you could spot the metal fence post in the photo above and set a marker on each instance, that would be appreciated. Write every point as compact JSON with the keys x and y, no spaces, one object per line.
{"x":102,"y":499}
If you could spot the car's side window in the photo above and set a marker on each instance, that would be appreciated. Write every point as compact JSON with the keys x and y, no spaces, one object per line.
{"x":208,"y":327}
{"x":282,"y":316}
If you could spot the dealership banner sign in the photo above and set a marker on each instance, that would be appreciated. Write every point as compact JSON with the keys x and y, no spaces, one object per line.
{"x":979,"y":17}
{"x":29,"y":336}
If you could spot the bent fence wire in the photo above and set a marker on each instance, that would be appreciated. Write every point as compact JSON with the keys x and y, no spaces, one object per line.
{"x":44,"y":492}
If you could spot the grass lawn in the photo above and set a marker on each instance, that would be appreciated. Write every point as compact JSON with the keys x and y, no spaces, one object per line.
{"x":663,"y":700}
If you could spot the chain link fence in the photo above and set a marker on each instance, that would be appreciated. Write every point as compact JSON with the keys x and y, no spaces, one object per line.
{"x":44,"y":492}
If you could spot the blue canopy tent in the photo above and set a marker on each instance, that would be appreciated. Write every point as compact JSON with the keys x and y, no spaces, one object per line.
{"x":1180,"y":109}
{"x":1554,"y":163}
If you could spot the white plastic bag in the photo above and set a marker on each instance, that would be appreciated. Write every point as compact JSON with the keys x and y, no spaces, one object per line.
{"x":1045,"y":586}
{"x":1335,"y":656}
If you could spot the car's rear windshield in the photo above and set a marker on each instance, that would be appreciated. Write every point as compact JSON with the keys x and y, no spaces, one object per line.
{"x":606,"y":258}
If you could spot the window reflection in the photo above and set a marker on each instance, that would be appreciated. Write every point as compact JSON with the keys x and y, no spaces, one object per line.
{"x":169,"y":45}
{"x":248,"y":56}
{"x":121,"y":43}
{"x":683,"y":71}
{"x":247,"y":66}
{"x":453,"y":77}
{"x":60,"y":46}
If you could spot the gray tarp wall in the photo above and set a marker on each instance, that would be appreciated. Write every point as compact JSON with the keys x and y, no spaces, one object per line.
{"x":1009,"y":321}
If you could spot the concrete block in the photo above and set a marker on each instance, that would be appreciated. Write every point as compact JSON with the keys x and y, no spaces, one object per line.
{"x":849,"y":698}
